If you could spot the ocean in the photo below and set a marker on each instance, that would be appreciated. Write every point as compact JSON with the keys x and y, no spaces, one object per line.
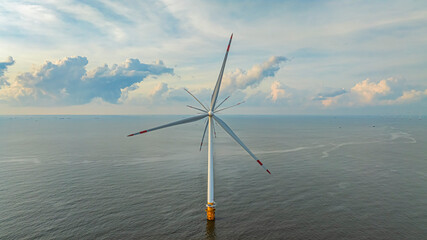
{"x":342,"y":177}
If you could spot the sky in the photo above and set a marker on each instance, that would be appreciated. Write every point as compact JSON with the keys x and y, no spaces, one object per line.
{"x":286,"y":57}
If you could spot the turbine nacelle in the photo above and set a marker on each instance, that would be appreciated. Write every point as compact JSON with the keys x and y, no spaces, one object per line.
{"x":210,"y":113}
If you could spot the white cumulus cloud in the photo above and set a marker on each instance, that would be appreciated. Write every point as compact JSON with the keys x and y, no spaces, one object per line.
{"x":409,"y":96}
{"x":276,"y":91}
{"x":241,"y":79}
{"x":368,"y":90}
{"x":159,"y":89}
{"x":390,"y":91}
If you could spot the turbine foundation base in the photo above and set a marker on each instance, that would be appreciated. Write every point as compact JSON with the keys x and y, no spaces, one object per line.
{"x":210,"y":211}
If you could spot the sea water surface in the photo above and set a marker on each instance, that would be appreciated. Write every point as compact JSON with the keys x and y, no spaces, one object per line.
{"x":80,"y":177}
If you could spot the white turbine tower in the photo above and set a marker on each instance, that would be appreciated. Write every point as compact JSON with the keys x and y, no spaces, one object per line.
{"x":210,"y":113}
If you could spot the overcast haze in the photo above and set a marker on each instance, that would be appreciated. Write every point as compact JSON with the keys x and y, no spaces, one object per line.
{"x":287,"y":57}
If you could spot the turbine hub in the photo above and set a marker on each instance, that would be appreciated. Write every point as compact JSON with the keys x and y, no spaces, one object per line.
{"x":210,"y":113}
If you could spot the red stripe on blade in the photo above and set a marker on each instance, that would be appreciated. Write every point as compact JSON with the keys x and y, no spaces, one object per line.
{"x":260,"y":163}
{"x":130,"y":135}
{"x":143,"y":132}
{"x":228,"y":48}
{"x":268,"y":171}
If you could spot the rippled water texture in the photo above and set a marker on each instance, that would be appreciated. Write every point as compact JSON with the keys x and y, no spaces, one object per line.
{"x":80,"y":177}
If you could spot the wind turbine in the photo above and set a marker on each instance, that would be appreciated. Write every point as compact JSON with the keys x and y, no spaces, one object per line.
{"x":210,"y":113}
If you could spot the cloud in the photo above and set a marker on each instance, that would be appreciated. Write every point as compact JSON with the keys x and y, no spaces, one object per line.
{"x":389,"y":91}
{"x":135,"y":84}
{"x":329,"y":98}
{"x":159,"y":90}
{"x":325,"y":96}
{"x":108,"y":82}
{"x":276,"y":91}
{"x":66,"y":82}
{"x":367,"y":90}
{"x":241,"y":79}
{"x":4,"y":65}
{"x":409,"y":96}
{"x":154,"y":89}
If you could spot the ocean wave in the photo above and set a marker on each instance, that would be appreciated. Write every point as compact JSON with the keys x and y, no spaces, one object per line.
{"x":20,"y":160}
{"x":292,"y":149}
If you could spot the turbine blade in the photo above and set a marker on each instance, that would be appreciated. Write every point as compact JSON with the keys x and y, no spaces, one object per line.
{"x":203,"y":137}
{"x":186,"y":120}
{"x":213,"y":126}
{"x":218,"y":82}
{"x":217,"y":124}
{"x":222,"y":102}
{"x":201,"y":110}
{"x":196,"y":99}
{"x":230,"y":106}
{"x":233,"y":135}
